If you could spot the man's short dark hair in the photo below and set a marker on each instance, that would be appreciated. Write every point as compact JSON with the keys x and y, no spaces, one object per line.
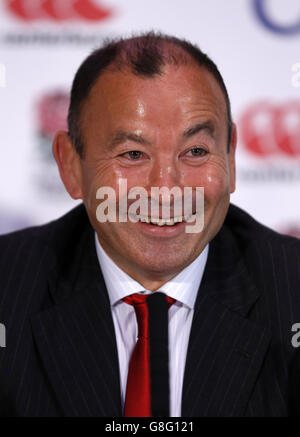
{"x":144,"y":55}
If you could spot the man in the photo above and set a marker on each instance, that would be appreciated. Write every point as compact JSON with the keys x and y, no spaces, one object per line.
{"x":152,"y":111}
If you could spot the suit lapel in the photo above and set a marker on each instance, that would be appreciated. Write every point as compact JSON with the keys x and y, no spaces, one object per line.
{"x":226,"y":350}
{"x":76,"y":339}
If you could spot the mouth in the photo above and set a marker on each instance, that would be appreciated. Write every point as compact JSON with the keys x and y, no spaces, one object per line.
{"x":156,"y":221}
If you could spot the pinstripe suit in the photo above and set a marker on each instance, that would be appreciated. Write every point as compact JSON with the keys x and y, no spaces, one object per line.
{"x":61,"y":357}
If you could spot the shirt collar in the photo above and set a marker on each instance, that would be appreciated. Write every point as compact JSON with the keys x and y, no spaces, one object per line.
{"x":183,"y":287}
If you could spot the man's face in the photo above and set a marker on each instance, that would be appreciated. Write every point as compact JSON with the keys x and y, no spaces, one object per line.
{"x":148,"y":131}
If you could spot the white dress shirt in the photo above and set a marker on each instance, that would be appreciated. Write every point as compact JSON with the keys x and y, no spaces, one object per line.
{"x":183,"y":287}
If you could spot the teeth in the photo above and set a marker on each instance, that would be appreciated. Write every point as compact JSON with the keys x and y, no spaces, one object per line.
{"x":163,"y":222}
{"x":190,"y":218}
{"x":178,"y":219}
{"x":169,"y":222}
{"x":155,"y":221}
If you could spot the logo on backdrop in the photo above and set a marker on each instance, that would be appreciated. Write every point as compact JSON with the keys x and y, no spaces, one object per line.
{"x":52,"y":110}
{"x":262,"y":11}
{"x":268,"y":129}
{"x":56,"y":22}
{"x":51,"y":116}
{"x":58,"y":10}
{"x":269,"y":134}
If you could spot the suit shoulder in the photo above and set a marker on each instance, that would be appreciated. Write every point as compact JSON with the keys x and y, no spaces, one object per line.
{"x":250,"y":232}
{"x":45,"y":234}
{"x":272,"y":259}
{"x":30,"y":257}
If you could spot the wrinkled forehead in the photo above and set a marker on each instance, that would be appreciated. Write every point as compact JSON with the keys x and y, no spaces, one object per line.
{"x":118,"y":90}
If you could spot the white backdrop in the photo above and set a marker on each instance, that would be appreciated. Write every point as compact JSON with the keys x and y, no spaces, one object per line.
{"x":255,"y":43}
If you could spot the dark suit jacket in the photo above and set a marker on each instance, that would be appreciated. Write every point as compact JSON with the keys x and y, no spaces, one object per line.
{"x":61,"y":358}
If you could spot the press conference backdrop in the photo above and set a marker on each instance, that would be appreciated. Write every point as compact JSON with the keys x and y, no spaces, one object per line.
{"x":255,"y":43}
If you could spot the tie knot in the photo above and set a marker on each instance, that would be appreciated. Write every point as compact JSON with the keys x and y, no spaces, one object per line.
{"x":141,"y":303}
{"x":135,"y":299}
{"x":138,"y":299}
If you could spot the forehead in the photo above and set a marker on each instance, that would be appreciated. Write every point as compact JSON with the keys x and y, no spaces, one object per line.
{"x":178,"y":91}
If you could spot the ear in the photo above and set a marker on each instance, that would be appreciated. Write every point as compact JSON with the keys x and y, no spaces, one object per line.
{"x":232,"y":150}
{"x":69,"y":164}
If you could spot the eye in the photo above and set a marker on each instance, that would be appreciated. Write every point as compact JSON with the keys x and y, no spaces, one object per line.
{"x":197,"y":151}
{"x":133,"y":154}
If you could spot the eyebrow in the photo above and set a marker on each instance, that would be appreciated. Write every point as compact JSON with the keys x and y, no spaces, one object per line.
{"x":206,"y":125}
{"x":121,"y":136}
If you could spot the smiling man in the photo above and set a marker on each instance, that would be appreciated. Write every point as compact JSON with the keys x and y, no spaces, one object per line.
{"x":113,"y":317}
{"x":166,"y":127}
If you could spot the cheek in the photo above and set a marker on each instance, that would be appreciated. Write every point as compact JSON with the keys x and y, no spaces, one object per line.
{"x":107,"y":176}
{"x":216,"y":186}
{"x":213,"y":178}
{"x":93,"y":179}
{"x":96,"y":176}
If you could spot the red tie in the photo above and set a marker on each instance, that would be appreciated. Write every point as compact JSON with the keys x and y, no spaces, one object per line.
{"x":138,"y":390}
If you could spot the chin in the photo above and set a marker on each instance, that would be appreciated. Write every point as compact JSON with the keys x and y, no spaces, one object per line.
{"x":165,"y":265}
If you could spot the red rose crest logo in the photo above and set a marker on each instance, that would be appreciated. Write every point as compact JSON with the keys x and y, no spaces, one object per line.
{"x":52,"y":113}
{"x":51,"y":116}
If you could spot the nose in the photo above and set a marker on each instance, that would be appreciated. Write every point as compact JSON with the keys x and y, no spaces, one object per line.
{"x":164,"y":173}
